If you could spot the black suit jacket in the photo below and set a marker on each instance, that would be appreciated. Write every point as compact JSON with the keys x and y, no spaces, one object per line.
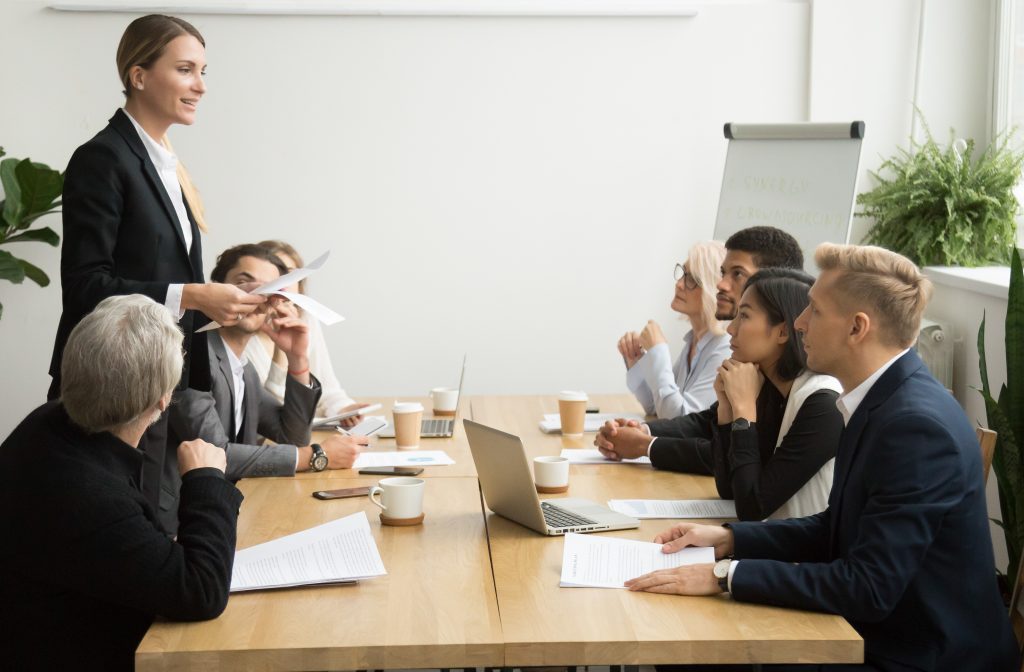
{"x":83,"y":566}
{"x":903,"y":552}
{"x":122,"y":236}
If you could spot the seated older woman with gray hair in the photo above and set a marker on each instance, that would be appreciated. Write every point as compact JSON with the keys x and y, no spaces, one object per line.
{"x":84,"y":568}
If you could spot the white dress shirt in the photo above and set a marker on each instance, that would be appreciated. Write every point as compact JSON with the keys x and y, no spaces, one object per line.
{"x":238,"y":378}
{"x":166,"y":165}
{"x":847,"y":404}
{"x":668,"y":390}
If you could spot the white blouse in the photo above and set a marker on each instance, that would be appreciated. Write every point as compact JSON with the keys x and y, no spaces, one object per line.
{"x":668,"y":391}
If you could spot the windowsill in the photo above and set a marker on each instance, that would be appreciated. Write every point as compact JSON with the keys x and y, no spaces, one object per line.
{"x":989,"y":280}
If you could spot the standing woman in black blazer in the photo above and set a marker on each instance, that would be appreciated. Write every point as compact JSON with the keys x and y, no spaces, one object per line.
{"x":132,"y":218}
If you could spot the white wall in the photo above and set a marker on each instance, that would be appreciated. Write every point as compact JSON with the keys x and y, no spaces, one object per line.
{"x":517,"y":189}
{"x":961,"y":307}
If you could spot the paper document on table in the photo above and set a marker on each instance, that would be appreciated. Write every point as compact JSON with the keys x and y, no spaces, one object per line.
{"x":339,"y":551}
{"x":403,"y":458}
{"x":598,"y":561}
{"x":552,"y":422}
{"x":310,"y":305}
{"x":594,"y":456}
{"x":674,"y":508}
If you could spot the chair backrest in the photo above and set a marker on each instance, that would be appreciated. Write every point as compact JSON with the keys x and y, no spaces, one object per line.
{"x":1017,"y":611}
{"x":987,"y":441}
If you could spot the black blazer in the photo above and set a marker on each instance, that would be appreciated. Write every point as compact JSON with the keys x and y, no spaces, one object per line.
{"x":122,"y":236}
{"x":903,"y":552}
{"x":83,"y":566}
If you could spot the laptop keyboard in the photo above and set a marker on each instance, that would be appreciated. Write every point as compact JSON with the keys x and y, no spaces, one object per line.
{"x":436,"y":426}
{"x":557,"y":517}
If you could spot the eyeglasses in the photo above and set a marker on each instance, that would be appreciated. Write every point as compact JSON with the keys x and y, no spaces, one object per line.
{"x":689,"y":281}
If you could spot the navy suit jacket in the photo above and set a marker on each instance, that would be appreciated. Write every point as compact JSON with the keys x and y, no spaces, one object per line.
{"x":122,"y":236}
{"x":903,"y":551}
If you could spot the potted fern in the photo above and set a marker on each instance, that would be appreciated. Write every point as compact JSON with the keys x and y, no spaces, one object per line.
{"x":1006,"y":416}
{"x":939,"y":207}
{"x":30,"y":191}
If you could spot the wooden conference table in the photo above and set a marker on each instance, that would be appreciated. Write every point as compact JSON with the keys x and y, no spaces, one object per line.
{"x":470,"y":589}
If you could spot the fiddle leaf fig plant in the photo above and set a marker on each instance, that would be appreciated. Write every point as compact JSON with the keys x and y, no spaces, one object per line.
{"x":31,"y":190}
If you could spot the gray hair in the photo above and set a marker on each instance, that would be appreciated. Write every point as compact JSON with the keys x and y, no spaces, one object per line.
{"x":119,"y":361}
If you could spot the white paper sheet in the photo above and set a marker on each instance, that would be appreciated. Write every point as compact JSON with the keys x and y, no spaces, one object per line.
{"x":341,"y":550}
{"x":600,"y":561}
{"x":403,"y":458}
{"x":293,"y":277}
{"x":674,"y":508}
{"x":594,"y":456}
{"x":552,"y":422}
{"x":314,"y":307}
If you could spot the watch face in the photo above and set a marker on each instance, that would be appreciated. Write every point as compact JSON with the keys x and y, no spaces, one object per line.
{"x":320,"y":462}
{"x":721,"y":569}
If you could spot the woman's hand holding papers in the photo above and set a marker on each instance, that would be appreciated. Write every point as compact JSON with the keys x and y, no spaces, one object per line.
{"x":688,"y":579}
{"x":623,"y":439}
{"x":224,"y":304}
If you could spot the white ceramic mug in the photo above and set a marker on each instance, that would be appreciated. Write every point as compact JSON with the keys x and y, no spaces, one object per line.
{"x":444,"y":400}
{"x":551,"y":471}
{"x":572,"y":412}
{"x":401,"y":497}
{"x":406,"y":417}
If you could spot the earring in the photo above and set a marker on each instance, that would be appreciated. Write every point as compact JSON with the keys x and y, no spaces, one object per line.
{"x":139,"y":86}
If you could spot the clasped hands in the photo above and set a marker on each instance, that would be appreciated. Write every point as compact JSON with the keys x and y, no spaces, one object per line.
{"x":737,"y":386}
{"x":688,"y":579}
{"x":633,"y":345}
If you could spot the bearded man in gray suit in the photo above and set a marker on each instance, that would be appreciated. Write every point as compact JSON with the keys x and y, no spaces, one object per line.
{"x":238,"y":413}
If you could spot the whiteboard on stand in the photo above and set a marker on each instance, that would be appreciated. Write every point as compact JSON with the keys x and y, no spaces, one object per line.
{"x":801,"y":178}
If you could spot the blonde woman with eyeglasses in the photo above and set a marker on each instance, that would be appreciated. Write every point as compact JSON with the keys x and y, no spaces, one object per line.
{"x":668,"y":390}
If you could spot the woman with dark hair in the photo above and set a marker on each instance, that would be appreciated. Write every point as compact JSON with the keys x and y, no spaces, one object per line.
{"x":132,"y":218}
{"x":770,"y":439}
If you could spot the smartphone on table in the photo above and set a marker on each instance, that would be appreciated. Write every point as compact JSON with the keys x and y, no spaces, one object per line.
{"x":392,"y":471}
{"x":342,"y":493}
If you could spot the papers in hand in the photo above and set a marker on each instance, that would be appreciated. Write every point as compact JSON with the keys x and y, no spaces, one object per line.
{"x":674,"y":508}
{"x":594,"y":456}
{"x":597,"y":561}
{"x":339,"y":551}
{"x":403,"y":458}
{"x":552,"y":422}
{"x":311,"y":306}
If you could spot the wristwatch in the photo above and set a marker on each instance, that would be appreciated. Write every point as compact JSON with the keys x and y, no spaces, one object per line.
{"x":721,"y":572}
{"x":740,"y":424}
{"x":318,"y":461}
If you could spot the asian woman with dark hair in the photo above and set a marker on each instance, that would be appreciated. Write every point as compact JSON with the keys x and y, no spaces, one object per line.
{"x":770,"y":439}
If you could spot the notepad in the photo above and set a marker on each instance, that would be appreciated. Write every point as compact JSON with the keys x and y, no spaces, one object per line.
{"x":340,"y":551}
{"x":551,"y":423}
{"x":594,"y":456}
{"x":598,"y":561}
{"x":403,"y":458}
{"x":674,"y":508}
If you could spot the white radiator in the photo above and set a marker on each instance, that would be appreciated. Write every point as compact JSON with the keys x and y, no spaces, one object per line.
{"x":935,"y":346}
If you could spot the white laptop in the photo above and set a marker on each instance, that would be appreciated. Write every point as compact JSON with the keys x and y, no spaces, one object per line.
{"x":435,"y":428}
{"x":509,"y":491}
